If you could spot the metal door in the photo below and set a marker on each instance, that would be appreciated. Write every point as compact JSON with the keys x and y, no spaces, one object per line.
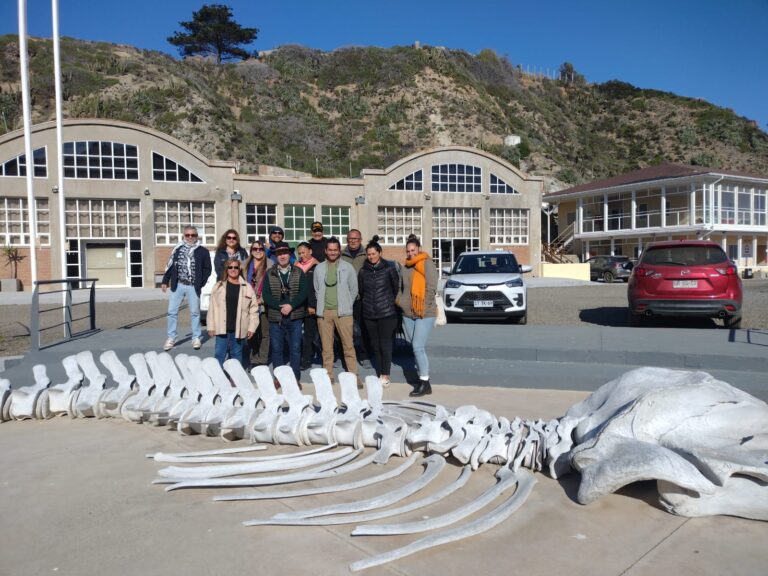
{"x":107,"y":262}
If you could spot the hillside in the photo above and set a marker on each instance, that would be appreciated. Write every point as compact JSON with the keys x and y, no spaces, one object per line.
{"x":358,"y":107}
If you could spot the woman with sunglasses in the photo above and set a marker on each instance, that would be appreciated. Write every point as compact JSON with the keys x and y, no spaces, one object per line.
{"x":228,"y":247}
{"x":256,"y":267}
{"x":233,"y":315}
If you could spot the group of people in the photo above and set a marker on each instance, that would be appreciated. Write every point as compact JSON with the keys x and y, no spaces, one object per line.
{"x":271,"y":305}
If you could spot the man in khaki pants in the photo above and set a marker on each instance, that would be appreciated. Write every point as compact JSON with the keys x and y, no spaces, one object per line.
{"x":336,"y":288}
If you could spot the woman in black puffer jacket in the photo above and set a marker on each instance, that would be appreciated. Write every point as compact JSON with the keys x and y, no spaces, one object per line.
{"x":378,"y":284}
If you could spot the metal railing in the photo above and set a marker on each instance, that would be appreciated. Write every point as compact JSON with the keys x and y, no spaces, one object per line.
{"x":70,"y":285}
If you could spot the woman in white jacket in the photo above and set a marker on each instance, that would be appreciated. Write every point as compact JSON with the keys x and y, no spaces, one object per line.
{"x":233,"y":314}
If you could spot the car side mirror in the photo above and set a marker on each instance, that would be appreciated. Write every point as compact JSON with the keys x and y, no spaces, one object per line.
{"x":525,"y":268}
{"x":447,"y":270}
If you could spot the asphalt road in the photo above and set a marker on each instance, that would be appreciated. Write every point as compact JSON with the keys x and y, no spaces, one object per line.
{"x":594,"y":304}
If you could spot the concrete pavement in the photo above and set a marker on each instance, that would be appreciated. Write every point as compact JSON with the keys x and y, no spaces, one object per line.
{"x":77,"y":500}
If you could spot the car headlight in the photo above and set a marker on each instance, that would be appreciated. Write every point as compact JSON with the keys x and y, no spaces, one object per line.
{"x":453,"y":284}
{"x":516,"y":283}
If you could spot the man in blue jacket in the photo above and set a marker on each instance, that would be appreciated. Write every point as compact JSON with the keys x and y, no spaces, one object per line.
{"x":187,"y":272}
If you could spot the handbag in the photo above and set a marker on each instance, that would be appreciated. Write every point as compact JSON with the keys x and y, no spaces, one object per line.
{"x":441,"y":319}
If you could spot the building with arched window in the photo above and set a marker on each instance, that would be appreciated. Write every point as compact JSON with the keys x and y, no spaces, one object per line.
{"x":129,"y":191}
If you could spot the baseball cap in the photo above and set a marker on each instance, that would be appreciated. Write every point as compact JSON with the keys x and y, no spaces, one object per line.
{"x":276,"y":229}
{"x":281,"y":247}
{"x":317,"y":226}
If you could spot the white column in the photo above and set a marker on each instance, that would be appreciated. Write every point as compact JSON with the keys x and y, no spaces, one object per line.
{"x":719,"y":215}
{"x":725,"y":243}
{"x":754,"y":250}
{"x":738,"y":250}
{"x":704,"y":206}
{"x":605,"y":212}
{"x":580,"y":216}
{"x":639,"y":246}
{"x":613,"y":247}
{"x":633,"y":210}
{"x":586,"y":248}
{"x":27,"y":114}
{"x":663,"y":206}
{"x":692,"y":206}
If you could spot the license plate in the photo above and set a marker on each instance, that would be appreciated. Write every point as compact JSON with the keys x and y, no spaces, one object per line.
{"x":483,"y":303}
{"x":685,"y":283}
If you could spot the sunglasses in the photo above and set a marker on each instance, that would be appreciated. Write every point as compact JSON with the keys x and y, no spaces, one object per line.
{"x":231,"y":237}
{"x":233,"y":267}
{"x":257,"y":249}
{"x":190,"y":235}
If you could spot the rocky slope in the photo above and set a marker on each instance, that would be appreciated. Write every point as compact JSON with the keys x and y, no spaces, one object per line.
{"x":334,"y":113}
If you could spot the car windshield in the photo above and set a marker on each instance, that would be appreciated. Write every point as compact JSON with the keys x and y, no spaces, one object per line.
{"x":486,"y":264}
{"x":684,"y":256}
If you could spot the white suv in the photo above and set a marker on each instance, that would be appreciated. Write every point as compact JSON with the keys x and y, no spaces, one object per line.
{"x":486,"y":285}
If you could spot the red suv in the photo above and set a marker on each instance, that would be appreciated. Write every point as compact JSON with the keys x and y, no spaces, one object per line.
{"x":685,"y":278}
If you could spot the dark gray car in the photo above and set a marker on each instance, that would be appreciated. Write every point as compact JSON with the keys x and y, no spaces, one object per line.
{"x":610,"y":268}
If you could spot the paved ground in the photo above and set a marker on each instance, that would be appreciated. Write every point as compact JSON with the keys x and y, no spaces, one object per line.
{"x":77,"y":500}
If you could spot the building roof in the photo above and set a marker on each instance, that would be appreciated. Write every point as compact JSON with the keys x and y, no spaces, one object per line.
{"x":650,"y":174}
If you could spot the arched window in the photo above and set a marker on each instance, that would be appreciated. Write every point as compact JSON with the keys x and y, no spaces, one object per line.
{"x":18,"y":166}
{"x":413,"y":181}
{"x":456,"y":178}
{"x":498,"y":186}
{"x":101,"y":160}
{"x":166,"y":170}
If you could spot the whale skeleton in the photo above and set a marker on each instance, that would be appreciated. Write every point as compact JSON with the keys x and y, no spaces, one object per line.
{"x":705,"y":442}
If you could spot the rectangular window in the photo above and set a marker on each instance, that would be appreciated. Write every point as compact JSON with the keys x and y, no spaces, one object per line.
{"x":760,"y":207}
{"x":172,"y":217}
{"x":259,"y":218}
{"x":456,"y":178}
{"x":455,"y":223}
{"x":100,"y":160}
{"x":336,"y":221}
{"x":102,"y":218}
{"x":14,"y":222}
{"x":396,"y":223}
{"x":509,"y":226}
{"x":298,"y":220}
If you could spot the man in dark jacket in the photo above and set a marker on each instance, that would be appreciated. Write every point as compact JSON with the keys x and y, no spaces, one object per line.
{"x":285,"y":297}
{"x":187,"y":272}
{"x":318,"y":241}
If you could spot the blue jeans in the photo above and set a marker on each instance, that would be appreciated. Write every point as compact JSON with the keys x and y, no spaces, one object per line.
{"x":177,"y":297}
{"x":285,"y":336}
{"x":228,"y":342}
{"x":418,"y":331}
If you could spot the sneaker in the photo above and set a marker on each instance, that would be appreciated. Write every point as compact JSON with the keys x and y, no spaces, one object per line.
{"x":169,"y":343}
{"x":196,"y":343}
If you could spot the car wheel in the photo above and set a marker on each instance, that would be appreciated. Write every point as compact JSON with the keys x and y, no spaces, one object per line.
{"x":633,"y":319}
{"x":732,"y":322}
{"x":608,"y":277}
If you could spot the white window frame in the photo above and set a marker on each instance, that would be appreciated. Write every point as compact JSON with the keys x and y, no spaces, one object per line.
{"x":414,"y":182}
{"x":202,"y":215}
{"x":336,"y":220}
{"x":454,"y":178}
{"x":88,"y":218}
{"x":94,"y":161}
{"x":19,"y":165}
{"x":254,"y":229}
{"x":450,"y":223}
{"x":297,"y":225}
{"x":20,"y":237}
{"x":396,"y":223}
{"x":500,"y":186}
{"x":172,"y":167}
{"x":509,"y":226}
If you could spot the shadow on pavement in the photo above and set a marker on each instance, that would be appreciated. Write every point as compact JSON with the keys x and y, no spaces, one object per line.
{"x":616,"y":316}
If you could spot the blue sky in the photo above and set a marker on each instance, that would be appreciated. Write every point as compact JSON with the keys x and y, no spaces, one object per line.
{"x":711,"y":49}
